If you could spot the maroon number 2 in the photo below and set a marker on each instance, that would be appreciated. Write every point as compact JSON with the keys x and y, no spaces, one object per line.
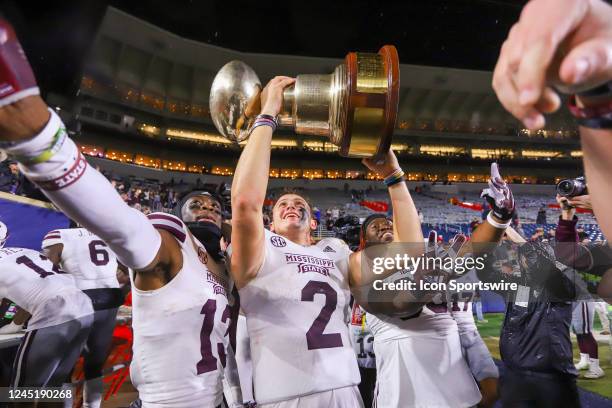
{"x":315,"y":338}
{"x":209,"y":362}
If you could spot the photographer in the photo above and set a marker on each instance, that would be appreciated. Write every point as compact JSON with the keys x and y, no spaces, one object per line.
{"x":580,"y":258}
{"x":535,"y":344}
{"x":592,"y":260}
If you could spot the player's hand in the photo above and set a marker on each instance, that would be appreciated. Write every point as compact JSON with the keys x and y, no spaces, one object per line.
{"x":272,"y":95}
{"x":22,"y":112}
{"x":429,"y":273}
{"x":565,"y":43}
{"x":16,"y":77}
{"x":583,"y":201}
{"x":499,"y":196}
{"x":383,"y":167}
{"x":488,"y":389}
{"x":11,"y":328}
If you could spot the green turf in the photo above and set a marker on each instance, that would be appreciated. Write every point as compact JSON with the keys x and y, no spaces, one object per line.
{"x":603,"y":386}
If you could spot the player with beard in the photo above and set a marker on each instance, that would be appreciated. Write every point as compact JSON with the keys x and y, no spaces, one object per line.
{"x":295,"y":296}
{"x":378,"y":228}
{"x":419,"y":358}
{"x":179,"y":286}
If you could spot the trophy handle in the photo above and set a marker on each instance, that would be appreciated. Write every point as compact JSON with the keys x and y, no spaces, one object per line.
{"x":372,"y":103}
{"x":286,"y":117}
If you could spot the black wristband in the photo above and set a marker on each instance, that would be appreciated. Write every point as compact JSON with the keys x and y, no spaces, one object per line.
{"x":596,"y":123}
{"x":394,"y":182}
{"x":601,"y":90}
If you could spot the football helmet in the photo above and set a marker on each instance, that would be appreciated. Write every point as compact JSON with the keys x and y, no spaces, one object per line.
{"x":4,"y":233}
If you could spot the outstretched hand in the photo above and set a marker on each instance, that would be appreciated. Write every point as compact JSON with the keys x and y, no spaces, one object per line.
{"x":499,"y":196}
{"x":561,"y":43}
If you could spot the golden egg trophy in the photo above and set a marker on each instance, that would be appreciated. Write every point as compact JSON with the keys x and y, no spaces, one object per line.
{"x":355,"y":106}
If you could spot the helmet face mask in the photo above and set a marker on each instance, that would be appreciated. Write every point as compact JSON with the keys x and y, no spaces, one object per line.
{"x":3,"y":234}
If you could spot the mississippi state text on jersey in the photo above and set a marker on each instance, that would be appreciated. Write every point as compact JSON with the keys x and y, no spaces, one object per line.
{"x":181,"y":330}
{"x":297,"y":314}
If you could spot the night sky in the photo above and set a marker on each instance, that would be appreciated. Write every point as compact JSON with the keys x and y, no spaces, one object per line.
{"x":448,"y":33}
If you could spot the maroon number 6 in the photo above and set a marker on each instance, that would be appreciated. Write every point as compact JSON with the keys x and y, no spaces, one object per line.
{"x":95,"y":253}
{"x":315,"y":338}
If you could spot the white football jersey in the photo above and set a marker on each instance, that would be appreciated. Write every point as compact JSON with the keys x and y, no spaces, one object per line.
{"x":31,"y":281}
{"x":362,"y":338}
{"x":461,"y":304}
{"x":419,"y":360}
{"x":297,"y":311}
{"x":243,"y":360}
{"x":86,"y":257}
{"x":475,"y":351}
{"x":462,"y":313}
{"x":181,"y":330}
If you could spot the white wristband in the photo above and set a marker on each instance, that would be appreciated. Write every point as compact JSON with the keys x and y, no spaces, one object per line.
{"x":496,"y":224}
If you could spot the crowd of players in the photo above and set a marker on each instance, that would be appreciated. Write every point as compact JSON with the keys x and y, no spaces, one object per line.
{"x":195,"y":277}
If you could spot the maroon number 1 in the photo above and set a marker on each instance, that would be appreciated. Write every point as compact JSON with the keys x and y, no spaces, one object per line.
{"x":315,"y":338}
{"x":24,"y":260}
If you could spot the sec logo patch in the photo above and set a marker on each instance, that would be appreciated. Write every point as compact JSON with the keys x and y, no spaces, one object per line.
{"x":278,"y":241}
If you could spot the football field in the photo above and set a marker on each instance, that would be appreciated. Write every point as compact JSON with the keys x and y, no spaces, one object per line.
{"x":602,"y":386}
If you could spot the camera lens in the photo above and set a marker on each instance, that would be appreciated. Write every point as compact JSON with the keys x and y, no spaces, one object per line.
{"x":565,"y":188}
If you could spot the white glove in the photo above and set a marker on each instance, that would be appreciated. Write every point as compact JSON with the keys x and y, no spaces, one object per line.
{"x":499,"y":196}
{"x":11,"y":328}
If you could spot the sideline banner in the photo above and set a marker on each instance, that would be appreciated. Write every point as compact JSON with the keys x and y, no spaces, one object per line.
{"x":29,"y":220}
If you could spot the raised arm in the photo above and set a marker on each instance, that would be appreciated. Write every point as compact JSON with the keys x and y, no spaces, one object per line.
{"x":249,"y":189}
{"x":36,"y":137}
{"x":406,"y":224}
{"x":501,"y":200}
{"x":571,"y":50}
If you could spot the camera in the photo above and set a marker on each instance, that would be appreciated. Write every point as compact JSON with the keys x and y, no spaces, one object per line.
{"x":348,"y":229}
{"x":572,"y":187}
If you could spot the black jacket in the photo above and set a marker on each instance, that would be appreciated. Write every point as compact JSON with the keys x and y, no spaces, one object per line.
{"x":537,"y":338}
{"x":535,"y":335}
